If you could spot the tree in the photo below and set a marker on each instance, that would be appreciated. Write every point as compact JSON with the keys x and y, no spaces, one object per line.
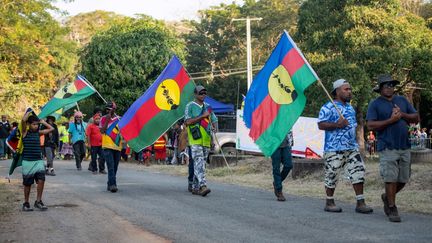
{"x":125,"y":60}
{"x":84,"y":26}
{"x":35,"y":57}
{"x":217,"y":44}
{"x":358,"y":40}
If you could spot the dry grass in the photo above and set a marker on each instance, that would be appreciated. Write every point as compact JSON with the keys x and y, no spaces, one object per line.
{"x":256,"y":172}
{"x":9,"y":195}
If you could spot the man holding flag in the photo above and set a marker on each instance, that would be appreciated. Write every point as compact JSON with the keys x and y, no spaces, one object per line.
{"x":275,"y":101}
{"x":340,"y":147}
{"x":111,"y":144}
{"x":200,"y":121}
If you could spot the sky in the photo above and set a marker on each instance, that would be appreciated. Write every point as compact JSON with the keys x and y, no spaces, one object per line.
{"x":159,"y":9}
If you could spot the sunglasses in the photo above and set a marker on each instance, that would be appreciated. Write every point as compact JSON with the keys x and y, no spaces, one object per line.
{"x":202,"y":93}
{"x":389,"y":85}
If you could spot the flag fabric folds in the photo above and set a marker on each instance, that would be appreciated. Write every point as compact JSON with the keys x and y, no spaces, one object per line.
{"x":57,"y":114}
{"x":158,"y":108}
{"x":276,"y":97}
{"x":14,"y":141}
{"x":68,"y":94}
{"x":114,"y":133}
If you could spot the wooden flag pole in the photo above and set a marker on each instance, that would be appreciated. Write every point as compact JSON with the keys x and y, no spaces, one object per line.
{"x":331,"y":99}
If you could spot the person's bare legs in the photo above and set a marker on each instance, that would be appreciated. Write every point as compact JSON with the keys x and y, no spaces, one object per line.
{"x":40,"y":187}
{"x":27,"y":193}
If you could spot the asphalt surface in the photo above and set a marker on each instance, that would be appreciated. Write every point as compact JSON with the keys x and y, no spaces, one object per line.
{"x":161,"y":204}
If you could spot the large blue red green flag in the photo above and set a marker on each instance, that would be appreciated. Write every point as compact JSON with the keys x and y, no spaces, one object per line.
{"x":158,"y":108}
{"x":68,"y":94}
{"x":276,"y":97}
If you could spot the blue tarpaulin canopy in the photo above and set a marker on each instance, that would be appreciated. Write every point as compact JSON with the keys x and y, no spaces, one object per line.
{"x":219,"y":107}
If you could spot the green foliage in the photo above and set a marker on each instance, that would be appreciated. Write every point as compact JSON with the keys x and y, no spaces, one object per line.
{"x":84,"y":26}
{"x":358,"y":40}
{"x":124,"y":61}
{"x":35,"y":57}
{"x":216,"y":43}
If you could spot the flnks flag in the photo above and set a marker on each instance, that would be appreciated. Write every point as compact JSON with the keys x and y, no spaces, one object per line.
{"x":158,"y":108}
{"x":14,"y":141}
{"x":276,"y":97}
{"x":68,"y":94}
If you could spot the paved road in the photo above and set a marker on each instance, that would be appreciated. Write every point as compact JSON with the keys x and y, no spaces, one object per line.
{"x":160,"y":203}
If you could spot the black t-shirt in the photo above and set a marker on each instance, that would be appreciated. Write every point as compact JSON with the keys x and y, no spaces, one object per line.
{"x":4,"y":129}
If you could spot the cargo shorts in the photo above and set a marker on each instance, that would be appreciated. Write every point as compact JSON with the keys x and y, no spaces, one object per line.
{"x":395,"y":165}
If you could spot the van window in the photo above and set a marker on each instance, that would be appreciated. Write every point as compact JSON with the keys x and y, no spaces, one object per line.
{"x":226,"y":123}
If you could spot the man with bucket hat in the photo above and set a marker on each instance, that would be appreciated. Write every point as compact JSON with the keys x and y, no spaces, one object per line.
{"x":341,"y":149}
{"x":389,"y":115}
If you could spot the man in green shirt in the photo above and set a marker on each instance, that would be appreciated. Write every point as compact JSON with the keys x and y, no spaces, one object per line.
{"x":200,"y":121}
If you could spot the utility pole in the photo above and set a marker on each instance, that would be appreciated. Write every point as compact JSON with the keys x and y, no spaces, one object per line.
{"x":249,"y":47}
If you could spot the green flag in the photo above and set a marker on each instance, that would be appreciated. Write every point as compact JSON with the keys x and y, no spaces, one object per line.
{"x":69,"y":94}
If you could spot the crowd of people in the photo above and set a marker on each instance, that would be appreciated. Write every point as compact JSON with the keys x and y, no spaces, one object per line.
{"x":388,"y":120}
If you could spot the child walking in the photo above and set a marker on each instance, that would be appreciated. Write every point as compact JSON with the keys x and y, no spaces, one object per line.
{"x":33,"y":166}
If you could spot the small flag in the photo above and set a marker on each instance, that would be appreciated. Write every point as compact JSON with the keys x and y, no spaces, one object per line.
{"x":276,"y":97}
{"x":68,"y":94}
{"x":162,"y":105}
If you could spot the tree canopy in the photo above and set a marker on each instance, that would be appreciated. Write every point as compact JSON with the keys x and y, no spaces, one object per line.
{"x":35,"y":56}
{"x":358,"y":40}
{"x":123,"y":61}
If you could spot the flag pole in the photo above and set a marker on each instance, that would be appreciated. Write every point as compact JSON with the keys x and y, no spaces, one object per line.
{"x":331,"y":99}
{"x":93,"y":88}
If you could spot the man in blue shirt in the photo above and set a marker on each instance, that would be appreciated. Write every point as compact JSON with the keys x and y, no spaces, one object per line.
{"x":340,"y":146}
{"x":77,"y":137}
{"x":389,"y":115}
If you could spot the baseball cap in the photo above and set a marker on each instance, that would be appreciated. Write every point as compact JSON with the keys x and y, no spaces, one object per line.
{"x":338,"y":83}
{"x":199,"y":88}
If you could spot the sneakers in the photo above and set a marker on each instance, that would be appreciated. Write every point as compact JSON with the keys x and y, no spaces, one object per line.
{"x":203,"y":191}
{"x":362,"y":208}
{"x":331,"y":206}
{"x":102,"y":172}
{"x":50,"y":172}
{"x":195,"y":191}
{"x":190,"y":187}
{"x":393,"y":215}
{"x":386,"y":205}
{"x":39,"y":205}
{"x":26,"y":207}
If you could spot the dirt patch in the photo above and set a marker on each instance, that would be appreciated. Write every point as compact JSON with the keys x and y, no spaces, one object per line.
{"x":71,"y":220}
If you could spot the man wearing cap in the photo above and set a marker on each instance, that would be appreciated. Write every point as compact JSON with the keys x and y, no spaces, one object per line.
{"x":389,"y":115}
{"x":94,"y":138}
{"x":200,"y":121}
{"x":111,"y":148}
{"x":77,"y":138}
{"x":341,"y":149}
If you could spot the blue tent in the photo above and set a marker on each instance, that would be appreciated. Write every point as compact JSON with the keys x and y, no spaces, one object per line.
{"x":219,"y":107}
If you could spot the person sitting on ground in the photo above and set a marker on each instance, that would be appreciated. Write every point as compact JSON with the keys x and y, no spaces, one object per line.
{"x":33,"y":167}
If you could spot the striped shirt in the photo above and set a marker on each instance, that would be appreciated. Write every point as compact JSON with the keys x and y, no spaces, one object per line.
{"x":32,"y":147}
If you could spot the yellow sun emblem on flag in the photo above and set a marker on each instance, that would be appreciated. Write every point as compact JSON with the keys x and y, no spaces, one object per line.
{"x":281,"y":87}
{"x":167,"y":96}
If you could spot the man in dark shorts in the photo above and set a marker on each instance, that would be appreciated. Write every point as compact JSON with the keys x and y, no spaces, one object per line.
{"x":389,"y":115}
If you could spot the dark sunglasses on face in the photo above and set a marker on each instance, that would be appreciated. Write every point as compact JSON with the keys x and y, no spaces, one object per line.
{"x":202,"y":93}
{"x":389,"y":85}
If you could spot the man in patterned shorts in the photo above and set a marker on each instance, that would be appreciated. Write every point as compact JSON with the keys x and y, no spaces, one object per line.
{"x":341,"y":149}
{"x":200,"y":121}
